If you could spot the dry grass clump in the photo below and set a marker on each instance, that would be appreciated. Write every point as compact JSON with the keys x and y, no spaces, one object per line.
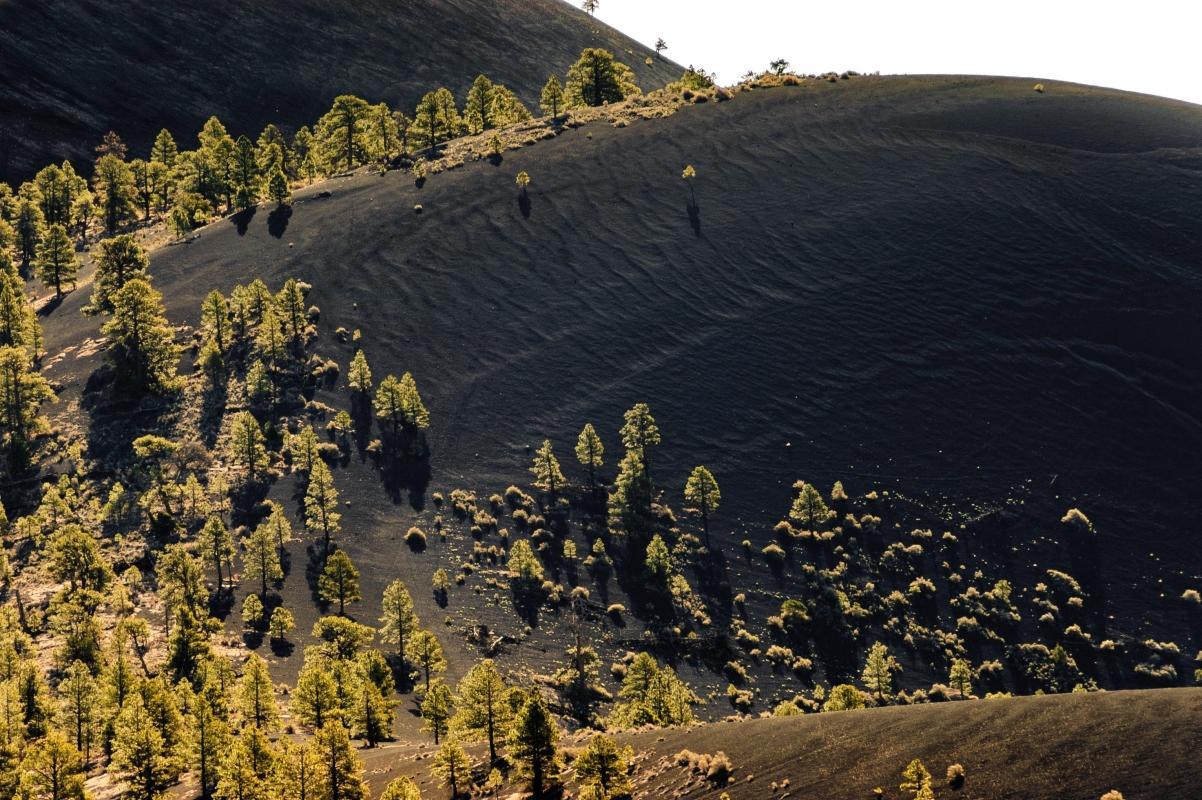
{"x":715,"y":768}
{"x":955,"y":776}
{"x":1192,"y":597}
{"x":1039,"y":88}
{"x":415,"y":537}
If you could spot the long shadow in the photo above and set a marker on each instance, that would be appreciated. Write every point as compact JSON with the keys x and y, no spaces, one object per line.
{"x":213,"y":410}
{"x":277,"y":220}
{"x":404,"y":466}
{"x":242,"y":219}
{"x":524,"y":204}
{"x":694,"y":212}
{"x":362,"y":418}
{"x":48,"y":308}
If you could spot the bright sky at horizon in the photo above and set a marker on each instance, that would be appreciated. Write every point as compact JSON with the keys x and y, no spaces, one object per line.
{"x":1148,"y":47}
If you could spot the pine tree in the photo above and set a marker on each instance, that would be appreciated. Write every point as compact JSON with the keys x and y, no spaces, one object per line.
{"x":373,"y":718}
{"x":141,"y":755}
{"x":590,"y":6}
{"x":164,"y":149}
{"x":342,"y":772}
{"x":960,"y":676}
{"x":809,"y":510}
{"x":398,"y":621}
{"x":484,"y":710}
{"x":358,"y":375}
{"x":215,"y":319}
{"x":596,"y":79}
{"x":113,"y":182}
{"x":53,"y":770}
{"x":22,"y":392}
{"x":142,"y":342}
{"x":524,"y":565}
{"x":339,"y":581}
{"x":399,"y":405}
{"x":256,"y":695}
{"x":280,"y":623}
{"x":590,"y":452}
{"x":341,"y":132}
{"x":652,"y":695}
{"x":19,"y":325}
{"x":916,"y":779}
{"x":278,"y":189}
{"x":547,"y":474}
{"x":507,"y":109}
{"x":278,"y":526}
{"x":245,"y":173}
{"x":216,"y":542}
{"x":120,"y":260}
{"x":604,"y":768}
{"x":436,"y":118}
{"x":315,"y":700}
{"x":79,"y":700}
{"x":209,"y":742}
{"x":321,"y":504}
{"x":261,"y":559}
{"x":552,"y":100}
{"x":702,"y":493}
{"x":532,"y":743}
{"x":878,"y":671}
{"x":302,"y":447}
{"x":290,"y":303}
{"x":402,"y":788}
{"x":56,"y":263}
{"x":658,"y":560}
{"x":451,"y":766}
{"x":477,"y":111}
{"x":248,"y":769}
{"x":298,"y":771}
{"x":436,"y":709}
{"x":246,"y":448}
{"x":30,"y":226}
{"x":427,"y":654}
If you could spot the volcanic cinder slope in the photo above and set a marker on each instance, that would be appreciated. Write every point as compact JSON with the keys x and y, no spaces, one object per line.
{"x":1061,"y":747}
{"x":1053,"y":747}
{"x":70,"y":70}
{"x":952,"y":288}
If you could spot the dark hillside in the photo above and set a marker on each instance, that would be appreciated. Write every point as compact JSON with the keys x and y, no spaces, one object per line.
{"x":1055,"y":747}
{"x":72,"y":69}
{"x":1063,"y":747}
{"x":885,"y":283}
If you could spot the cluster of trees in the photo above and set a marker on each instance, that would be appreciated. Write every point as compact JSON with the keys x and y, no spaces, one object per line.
{"x":224,"y":172}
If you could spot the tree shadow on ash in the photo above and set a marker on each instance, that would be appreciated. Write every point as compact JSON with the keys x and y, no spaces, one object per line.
{"x":277,"y":220}
{"x":242,"y":219}
{"x":524,"y":204}
{"x":694,"y":212}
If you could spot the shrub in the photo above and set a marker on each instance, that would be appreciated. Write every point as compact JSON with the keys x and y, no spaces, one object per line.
{"x":1113,"y":794}
{"x":1192,"y":597}
{"x":716,"y":768}
{"x":1039,"y":88}
{"x":844,"y":697}
{"x":774,"y":553}
{"x":615,"y":611}
{"x":252,"y":611}
{"x":416,"y":539}
{"x":1076,"y":519}
{"x":735,"y":672}
{"x":955,"y":776}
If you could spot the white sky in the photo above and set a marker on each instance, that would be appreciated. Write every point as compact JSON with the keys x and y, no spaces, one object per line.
{"x":1152,"y":46}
